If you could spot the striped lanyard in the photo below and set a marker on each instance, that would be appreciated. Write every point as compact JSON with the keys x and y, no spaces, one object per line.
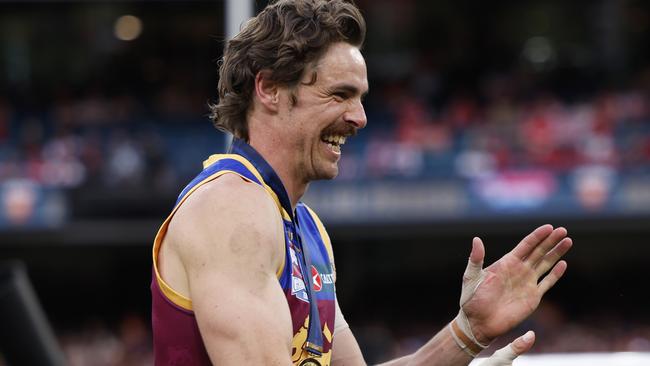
{"x":314,"y":343}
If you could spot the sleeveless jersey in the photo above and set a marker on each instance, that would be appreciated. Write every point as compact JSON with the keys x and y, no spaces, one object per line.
{"x":176,"y":336}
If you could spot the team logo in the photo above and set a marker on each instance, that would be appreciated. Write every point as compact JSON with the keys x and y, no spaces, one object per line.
{"x":316,"y":279}
{"x":298,"y":288}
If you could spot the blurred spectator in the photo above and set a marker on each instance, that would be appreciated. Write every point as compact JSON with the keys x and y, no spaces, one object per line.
{"x":19,"y":201}
{"x":125,"y":161}
{"x":97,"y":345}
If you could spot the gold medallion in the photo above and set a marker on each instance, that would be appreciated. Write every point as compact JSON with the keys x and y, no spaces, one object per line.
{"x":310,"y":362}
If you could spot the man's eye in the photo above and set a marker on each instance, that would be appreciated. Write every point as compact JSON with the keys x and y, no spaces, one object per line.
{"x":340,"y":95}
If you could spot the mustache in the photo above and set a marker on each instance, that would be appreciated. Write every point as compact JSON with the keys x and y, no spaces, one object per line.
{"x":342,"y":130}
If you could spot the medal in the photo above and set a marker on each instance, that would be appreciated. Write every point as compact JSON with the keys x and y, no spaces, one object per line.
{"x":310,"y":362}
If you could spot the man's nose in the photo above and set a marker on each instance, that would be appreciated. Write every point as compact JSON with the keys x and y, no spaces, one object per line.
{"x":356,"y":115}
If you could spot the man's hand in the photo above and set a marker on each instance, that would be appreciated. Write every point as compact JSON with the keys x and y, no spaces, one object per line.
{"x":497,"y":298}
{"x":506,"y":355}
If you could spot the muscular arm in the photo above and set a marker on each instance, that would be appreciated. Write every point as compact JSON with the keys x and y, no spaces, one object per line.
{"x":229,"y":239}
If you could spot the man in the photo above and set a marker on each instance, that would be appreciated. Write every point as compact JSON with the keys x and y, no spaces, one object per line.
{"x":244,"y":272}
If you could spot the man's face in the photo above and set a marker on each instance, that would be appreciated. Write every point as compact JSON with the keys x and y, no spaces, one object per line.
{"x":326,"y":112}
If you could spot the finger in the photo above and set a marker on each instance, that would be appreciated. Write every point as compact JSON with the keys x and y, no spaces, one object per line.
{"x":553,"y":256}
{"x":546,"y":245}
{"x":553,"y":276}
{"x":531,"y":241}
{"x":524,"y":343}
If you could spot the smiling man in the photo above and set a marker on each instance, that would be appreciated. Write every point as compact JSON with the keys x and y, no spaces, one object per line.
{"x":244,"y":272}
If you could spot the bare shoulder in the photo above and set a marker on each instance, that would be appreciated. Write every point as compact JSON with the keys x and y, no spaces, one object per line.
{"x":226,"y":220}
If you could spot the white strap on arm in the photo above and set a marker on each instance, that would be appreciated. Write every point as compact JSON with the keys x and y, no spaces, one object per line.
{"x":503,"y":357}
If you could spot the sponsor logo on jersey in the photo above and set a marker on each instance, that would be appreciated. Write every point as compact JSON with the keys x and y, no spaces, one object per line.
{"x":315,"y":279}
{"x":319,"y":279}
{"x":327,"y":278}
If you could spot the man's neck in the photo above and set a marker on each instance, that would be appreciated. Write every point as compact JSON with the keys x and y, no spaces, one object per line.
{"x":268,"y":149}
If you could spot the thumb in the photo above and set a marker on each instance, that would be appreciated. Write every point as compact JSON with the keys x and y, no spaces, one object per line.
{"x":506,"y":355}
{"x":475,"y":262}
{"x":473,"y":275}
{"x":523,"y":344}
{"x":478,"y":252}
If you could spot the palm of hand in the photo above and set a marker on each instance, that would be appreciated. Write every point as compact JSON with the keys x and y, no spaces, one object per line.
{"x":508,"y":294}
{"x":511,"y":288}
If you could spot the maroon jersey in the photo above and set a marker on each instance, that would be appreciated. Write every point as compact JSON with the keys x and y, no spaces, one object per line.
{"x":177,"y":340}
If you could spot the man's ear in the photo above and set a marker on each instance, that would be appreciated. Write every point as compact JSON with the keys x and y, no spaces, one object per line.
{"x":267,"y":91}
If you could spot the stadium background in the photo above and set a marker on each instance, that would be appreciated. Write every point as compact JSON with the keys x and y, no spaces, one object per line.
{"x":485,"y":118}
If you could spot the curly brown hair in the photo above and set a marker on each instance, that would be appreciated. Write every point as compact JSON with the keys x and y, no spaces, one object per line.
{"x":284,"y":39}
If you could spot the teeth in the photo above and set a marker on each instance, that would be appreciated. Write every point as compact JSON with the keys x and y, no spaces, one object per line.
{"x":338,"y":140}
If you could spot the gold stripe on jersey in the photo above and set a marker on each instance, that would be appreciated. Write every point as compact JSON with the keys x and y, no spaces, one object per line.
{"x":216,"y":157}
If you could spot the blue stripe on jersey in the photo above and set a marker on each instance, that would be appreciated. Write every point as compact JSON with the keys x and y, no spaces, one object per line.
{"x":319,"y":255}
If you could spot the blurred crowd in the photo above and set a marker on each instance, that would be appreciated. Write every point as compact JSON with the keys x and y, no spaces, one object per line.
{"x":121,"y":143}
{"x":129,"y":342}
{"x":87,"y":142}
{"x":556,"y":332}
{"x":569,"y":338}
{"x":469,"y":137}
{"x":110,"y":143}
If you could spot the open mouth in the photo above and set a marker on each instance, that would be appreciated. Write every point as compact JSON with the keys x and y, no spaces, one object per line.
{"x":334,"y":142}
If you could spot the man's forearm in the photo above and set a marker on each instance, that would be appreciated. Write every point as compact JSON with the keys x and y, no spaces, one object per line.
{"x":440,"y":350}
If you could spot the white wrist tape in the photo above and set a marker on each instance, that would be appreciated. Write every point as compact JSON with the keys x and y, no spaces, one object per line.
{"x":460,"y":327}
{"x":464,"y":337}
{"x":503,"y":357}
{"x":472,"y":279}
